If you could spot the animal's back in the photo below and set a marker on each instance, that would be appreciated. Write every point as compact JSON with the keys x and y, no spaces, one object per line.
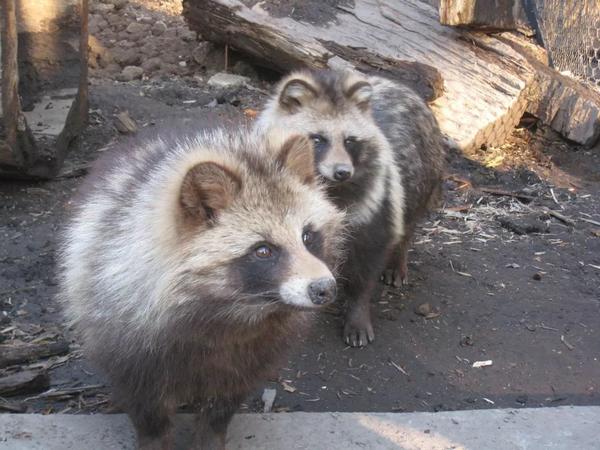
{"x":414,"y":135}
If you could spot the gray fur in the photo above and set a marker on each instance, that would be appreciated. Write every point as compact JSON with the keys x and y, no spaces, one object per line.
{"x":399,"y":181}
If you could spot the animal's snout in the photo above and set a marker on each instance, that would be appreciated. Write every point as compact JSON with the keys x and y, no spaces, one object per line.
{"x":322,"y":291}
{"x":342,"y":172}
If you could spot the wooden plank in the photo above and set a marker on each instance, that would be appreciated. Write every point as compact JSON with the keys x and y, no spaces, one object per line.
{"x":485,"y":81}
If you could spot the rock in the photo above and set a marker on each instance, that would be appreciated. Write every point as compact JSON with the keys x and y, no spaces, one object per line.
{"x":151,"y":64}
{"x":244,"y":69}
{"x":97,"y":23}
{"x":101,"y":8}
{"x":268,"y":399}
{"x":124,"y":43}
{"x":116,"y":20}
{"x":169,"y":57}
{"x":131,"y":73}
{"x":127,"y":57}
{"x":201,"y":51}
{"x":149,"y":49}
{"x":119,"y":4}
{"x":135,"y":28}
{"x":159,"y":28}
{"x":186,"y":34}
{"x":148,"y":20}
{"x":426,"y":311}
{"x":227,"y":80}
{"x":113,"y":68}
{"x":125,"y":124}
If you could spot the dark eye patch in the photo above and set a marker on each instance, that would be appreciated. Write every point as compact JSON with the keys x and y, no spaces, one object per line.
{"x":260,"y":271}
{"x":314,"y":243}
{"x":320,"y":143}
{"x":354,"y":147}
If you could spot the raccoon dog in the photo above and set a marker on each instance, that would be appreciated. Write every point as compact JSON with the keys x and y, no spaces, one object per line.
{"x":380,"y":152}
{"x":188,"y":268}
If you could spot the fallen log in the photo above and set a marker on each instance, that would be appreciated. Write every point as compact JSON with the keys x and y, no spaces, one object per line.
{"x":27,"y":381}
{"x":17,"y":354}
{"x":485,"y":81}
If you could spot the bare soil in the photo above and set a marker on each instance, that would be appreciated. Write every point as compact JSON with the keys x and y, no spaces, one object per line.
{"x":493,"y":275}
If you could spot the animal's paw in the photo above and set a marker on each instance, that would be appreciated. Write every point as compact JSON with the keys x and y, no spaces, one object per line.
{"x":358,"y":332}
{"x":395,"y":277}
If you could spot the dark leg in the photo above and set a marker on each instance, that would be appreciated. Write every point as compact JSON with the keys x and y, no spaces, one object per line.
{"x":212,"y":423}
{"x":358,"y":329}
{"x":153,"y":427}
{"x":360,"y":275}
{"x":396,"y":272}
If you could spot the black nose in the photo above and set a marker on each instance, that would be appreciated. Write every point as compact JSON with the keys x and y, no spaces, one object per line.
{"x":342,"y":172}
{"x":322,"y":291}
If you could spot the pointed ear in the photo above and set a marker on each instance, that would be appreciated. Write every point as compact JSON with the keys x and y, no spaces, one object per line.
{"x":297,"y":155}
{"x":360,"y":93}
{"x":295,"y":94}
{"x":207,"y":189}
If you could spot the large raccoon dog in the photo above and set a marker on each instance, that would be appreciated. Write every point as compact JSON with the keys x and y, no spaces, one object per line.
{"x":379,"y":149}
{"x":189,"y":267}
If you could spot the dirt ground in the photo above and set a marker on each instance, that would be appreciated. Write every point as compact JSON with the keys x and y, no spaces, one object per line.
{"x":508,"y":270}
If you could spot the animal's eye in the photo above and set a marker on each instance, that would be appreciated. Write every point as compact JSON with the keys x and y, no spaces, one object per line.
{"x":318,"y":139}
{"x":263,"y":251}
{"x":307,"y":237}
{"x":350,"y":140}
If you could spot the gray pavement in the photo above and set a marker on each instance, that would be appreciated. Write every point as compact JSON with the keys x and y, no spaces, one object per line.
{"x":543,"y":428}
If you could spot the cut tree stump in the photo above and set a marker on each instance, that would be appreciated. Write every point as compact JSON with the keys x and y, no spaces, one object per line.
{"x":485,"y":81}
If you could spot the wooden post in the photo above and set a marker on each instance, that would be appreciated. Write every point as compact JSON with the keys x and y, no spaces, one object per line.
{"x":83,"y":54}
{"x":11,"y":107}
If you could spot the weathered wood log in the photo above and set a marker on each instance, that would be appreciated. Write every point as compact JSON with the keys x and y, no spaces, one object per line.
{"x":24,"y":382}
{"x":487,"y":15}
{"x":485,"y":81}
{"x":17,"y":354}
{"x":567,"y":106}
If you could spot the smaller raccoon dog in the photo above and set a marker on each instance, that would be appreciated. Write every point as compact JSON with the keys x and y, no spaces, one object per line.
{"x":190,"y":266}
{"x":379,"y":150}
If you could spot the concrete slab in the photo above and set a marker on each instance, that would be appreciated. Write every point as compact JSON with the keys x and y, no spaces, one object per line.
{"x":543,"y":428}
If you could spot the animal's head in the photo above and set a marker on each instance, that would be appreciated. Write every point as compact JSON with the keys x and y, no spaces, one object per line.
{"x":258,"y":232}
{"x":334,"y":110}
